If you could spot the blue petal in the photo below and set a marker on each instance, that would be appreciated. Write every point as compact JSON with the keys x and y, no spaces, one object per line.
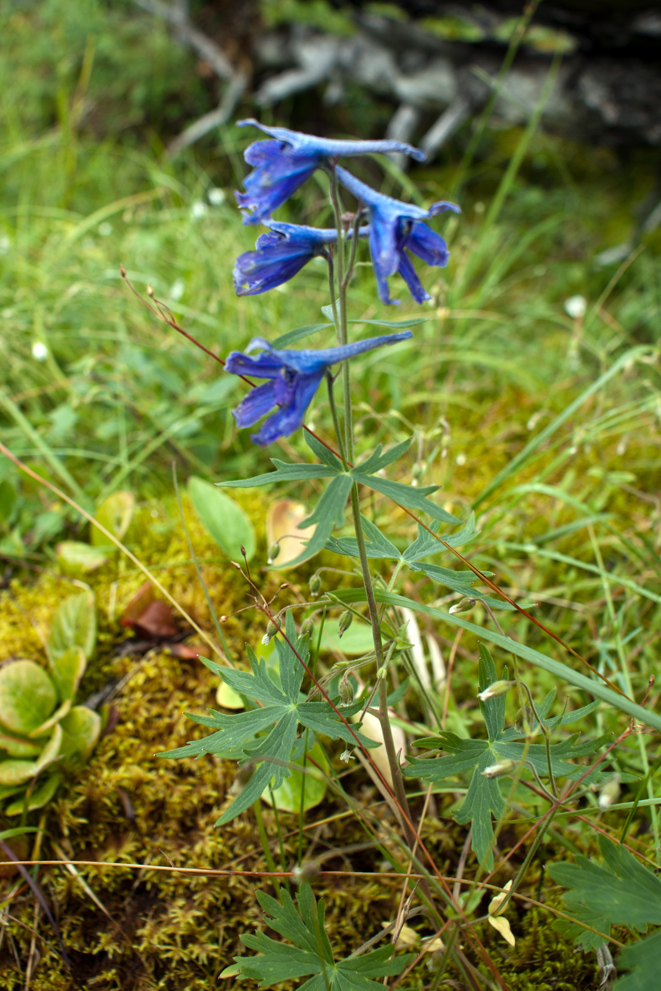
{"x":265,"y":366}
{"x":256,"y":272}
{"x":428,"y":245}
{"x":383,"y":244}
{"x":290,"y":417}
{"x":262,"y":153}
{"x":273,"y":182}
{"x":255,"y":405}
{"x":408,"y":273}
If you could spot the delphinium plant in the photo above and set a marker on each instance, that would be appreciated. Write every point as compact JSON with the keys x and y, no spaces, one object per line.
{"x":291,"y":703}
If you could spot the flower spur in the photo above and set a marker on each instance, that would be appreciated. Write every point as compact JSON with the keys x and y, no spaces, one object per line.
{"x":394,"y":226}
{"x":293,"y":378}
{"x":284,"y":162}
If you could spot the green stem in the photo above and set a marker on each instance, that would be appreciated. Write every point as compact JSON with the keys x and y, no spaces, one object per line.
{"x":348,"y":456}
{"x":336,"y":422}
{"x":393,"y":762}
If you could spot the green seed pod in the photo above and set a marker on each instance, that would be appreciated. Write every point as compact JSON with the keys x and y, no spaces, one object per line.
{"x":315,"y":586}
{"x":274,"y":550}
{"x":346,"y":691}
{"x":346,"y":619}
{"x":307,"y":627}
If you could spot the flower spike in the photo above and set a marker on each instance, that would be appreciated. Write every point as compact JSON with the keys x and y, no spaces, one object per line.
{"x":293,"y":377}
{"x":284,"y":162}
{"x":279,"y":255}
{"x":395,"y":225}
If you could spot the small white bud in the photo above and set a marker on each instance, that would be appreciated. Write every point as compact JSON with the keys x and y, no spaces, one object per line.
{"x":500,"y":769}
{"x":464,"y":605}
{"x":495,"y":689}
{"x":610,"y":793}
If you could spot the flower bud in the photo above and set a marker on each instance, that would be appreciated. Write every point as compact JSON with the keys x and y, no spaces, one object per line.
{"x":610,"y":793}
{"x":315,"y":586}
{"x":274,"y":550}
{"x":307,"y":872}
{"x":464,"y":605}
{"x":307,"y":627}
{"x":346,"y":619}
{"x":500,"y":769}
{"x":346,"y":691}
{"x":271,"y":630}
{"x":495,"y":689}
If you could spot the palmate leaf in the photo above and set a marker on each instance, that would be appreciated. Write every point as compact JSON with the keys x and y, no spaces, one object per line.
{"x":378,"y":546}
{"x":329,"y":511}
{"x":484,"y":796}
{"x":244,"y":735}
{"x":619,"y":891}
{"x":311,"y":953}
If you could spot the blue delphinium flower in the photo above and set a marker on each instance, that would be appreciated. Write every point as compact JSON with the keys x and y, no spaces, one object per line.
{"x":293,"y":378}
{"x":279,"y":255}
{"x":395,"y":226}
{"x":288,"y":159}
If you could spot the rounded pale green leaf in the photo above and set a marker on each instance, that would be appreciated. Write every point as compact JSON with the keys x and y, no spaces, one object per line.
{"x":52,"y":721}
{"x":37,"y":799}
{"x":81,"y":730}
{"x":16,"y":746}
{"x":75,"y":558}
{"x":51,"y":750}
{"x":223,"y":518}
{"x":74,"y":625}
{"x":287,"y":797}
{"x":27,"y":697}
{"x":115,"y":514}
{"x":17,"y":772}
{"x":67,"y":670}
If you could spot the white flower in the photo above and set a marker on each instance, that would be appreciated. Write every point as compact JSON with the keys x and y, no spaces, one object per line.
{"x":216,"y":196}
{"x":576,"y":306}
{"x":177,"y":290}
{"x":39,"y":351}
{"x":198,"y":210}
